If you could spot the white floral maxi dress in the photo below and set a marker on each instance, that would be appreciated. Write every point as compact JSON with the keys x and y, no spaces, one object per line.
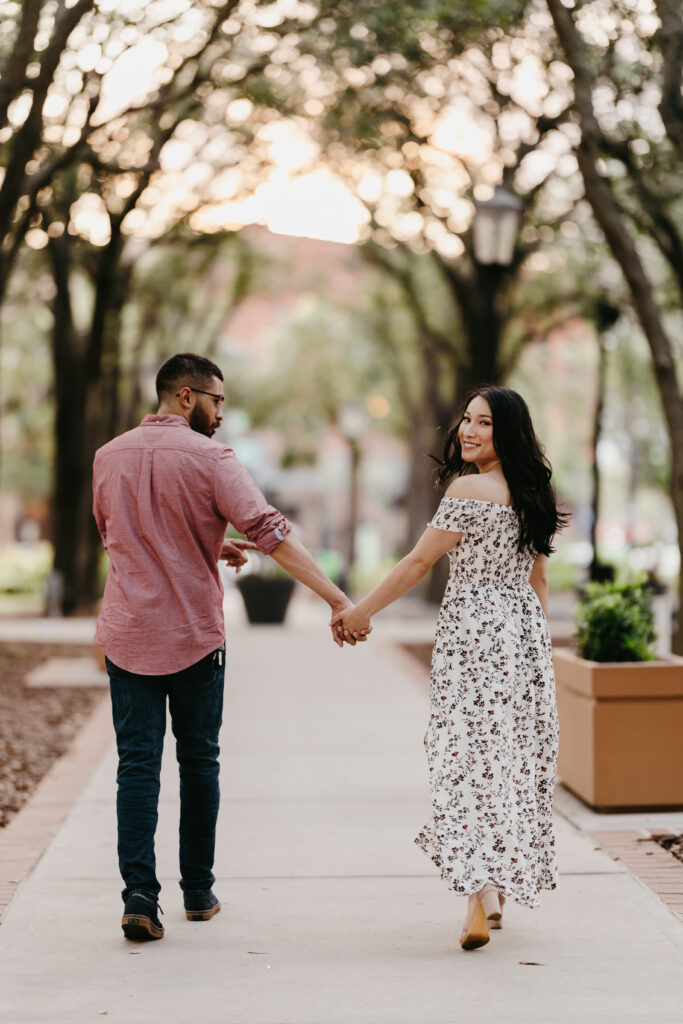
{"x":493,"y":734}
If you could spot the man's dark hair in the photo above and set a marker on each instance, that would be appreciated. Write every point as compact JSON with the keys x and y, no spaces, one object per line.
{"x":185,"y":368}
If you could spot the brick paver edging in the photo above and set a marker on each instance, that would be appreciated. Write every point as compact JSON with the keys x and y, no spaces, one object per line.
{"x":656,"y":868}
{"x":24,"y":840}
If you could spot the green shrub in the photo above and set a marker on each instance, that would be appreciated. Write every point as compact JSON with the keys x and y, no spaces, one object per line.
{"x":614,"y":622}
{"x":24,"y":567}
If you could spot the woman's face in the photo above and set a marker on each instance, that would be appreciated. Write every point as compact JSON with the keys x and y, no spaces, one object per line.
{"x":476,"y":433}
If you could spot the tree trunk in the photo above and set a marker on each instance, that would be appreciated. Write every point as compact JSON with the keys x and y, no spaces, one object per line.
{"x":595,"y":569}
{"x":354,"y":505}
{"x":622,"y":246}
{"x":430,"y":423}
{"x":423,"y":496}
{"x":26,"y":140}
{"x":86,"y":390}
{"x":444,"y":415}
{"x":478,"y":299}
{"x":613,"y":222}
{"x":71,"y":520}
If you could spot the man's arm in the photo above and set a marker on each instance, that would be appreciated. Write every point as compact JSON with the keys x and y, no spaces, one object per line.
{"x":241,"y":502}
{"x":97,"y":511}
{"x":299,"y":563}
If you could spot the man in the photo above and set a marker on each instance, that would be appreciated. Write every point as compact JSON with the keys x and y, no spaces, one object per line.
{"x":164,"y":494}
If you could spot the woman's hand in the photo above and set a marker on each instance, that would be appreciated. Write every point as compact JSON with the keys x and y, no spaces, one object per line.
{"x":339,"y":613}
{"x":352,"y":624}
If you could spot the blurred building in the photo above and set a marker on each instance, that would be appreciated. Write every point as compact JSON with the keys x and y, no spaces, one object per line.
{"x":316,"y":495}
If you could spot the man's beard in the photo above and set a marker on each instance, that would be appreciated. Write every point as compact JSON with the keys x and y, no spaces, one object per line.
{"x":200,"y":422}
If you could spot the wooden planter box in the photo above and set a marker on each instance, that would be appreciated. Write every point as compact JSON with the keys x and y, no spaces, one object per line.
{"x":621,"y":731}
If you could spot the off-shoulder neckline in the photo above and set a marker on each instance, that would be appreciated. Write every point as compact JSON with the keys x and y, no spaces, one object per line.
{"x":479,"y":501}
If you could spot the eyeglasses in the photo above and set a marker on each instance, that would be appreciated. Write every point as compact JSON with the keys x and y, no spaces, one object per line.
{"x":218,"y":399}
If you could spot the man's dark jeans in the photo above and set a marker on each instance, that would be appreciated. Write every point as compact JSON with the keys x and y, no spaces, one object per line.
{"x":195,"y":700}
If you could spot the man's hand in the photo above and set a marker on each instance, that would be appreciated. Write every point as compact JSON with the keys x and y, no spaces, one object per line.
{"x":233,"y":550}
{"x":340,"y":633}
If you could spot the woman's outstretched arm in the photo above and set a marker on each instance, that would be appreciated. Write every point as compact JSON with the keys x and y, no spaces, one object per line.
{"x":402,"y":578}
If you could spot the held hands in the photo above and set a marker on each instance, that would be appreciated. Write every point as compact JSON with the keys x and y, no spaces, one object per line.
{"x":350,"y":624}
{"x":233,"y":554}
{"x":339,"y":634}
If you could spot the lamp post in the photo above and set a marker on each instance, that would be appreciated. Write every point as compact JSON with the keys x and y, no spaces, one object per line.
{"x":492,"y":254}
{"x":495,"y":226}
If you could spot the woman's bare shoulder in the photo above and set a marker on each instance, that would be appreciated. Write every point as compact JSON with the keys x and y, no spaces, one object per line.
{"x":472,"y":486}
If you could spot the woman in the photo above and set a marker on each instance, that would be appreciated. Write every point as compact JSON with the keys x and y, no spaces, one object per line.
{"x":492,"y":736}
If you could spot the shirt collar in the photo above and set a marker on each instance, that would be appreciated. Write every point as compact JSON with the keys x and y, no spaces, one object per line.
{"x":166,"y":419}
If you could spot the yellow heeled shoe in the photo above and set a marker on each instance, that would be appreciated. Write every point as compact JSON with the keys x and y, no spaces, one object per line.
{"x":496,"y":922}
{"x":492,"y":902}
{"x":475,"y":932}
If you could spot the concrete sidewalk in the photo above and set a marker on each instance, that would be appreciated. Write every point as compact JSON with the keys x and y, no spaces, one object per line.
{"x":331,"y":915}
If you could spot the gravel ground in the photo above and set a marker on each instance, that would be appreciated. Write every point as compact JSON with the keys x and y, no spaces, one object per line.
{"x":36,"y":725}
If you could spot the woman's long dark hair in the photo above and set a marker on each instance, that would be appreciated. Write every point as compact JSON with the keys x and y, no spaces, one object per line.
{"x":523,"y":461}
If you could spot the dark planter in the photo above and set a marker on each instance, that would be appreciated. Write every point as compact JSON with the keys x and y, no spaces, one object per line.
{"x":265,"y":600}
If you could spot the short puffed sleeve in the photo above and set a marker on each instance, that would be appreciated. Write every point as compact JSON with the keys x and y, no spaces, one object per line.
{"x":452,"y":514}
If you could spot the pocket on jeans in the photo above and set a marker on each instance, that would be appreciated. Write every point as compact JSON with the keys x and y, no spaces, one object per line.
{"x":204,"y":672}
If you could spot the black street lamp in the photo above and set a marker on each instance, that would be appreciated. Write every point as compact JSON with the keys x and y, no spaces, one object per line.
{"x":493,"y":265}
{"x":495,"y":226}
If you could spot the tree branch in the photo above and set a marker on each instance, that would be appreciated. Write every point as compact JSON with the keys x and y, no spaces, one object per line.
{"x":459,"y":284}
{"x":14,"y":72}
{"x":434,"y":339}
{"x":28,"y":137}
{"x":65,"y":23}
{"x":34,"y":182}
{"x":610,"y":216}
{"x":671,"y":41}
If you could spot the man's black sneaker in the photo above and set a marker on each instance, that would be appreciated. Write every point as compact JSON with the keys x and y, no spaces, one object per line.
{"x":200,"y":904}
{"x":140,"y":920}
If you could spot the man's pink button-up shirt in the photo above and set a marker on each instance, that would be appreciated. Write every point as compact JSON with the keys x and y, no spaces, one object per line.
{"x":163,"y":496}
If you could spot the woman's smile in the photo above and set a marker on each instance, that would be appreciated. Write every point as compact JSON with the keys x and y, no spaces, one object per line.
{"x":476,"y":434}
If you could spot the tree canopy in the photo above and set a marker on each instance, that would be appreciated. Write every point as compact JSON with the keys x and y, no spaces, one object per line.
{"x":125,"y":126}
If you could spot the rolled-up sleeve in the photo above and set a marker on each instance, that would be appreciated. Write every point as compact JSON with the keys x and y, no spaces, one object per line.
{"x":241,"y":502}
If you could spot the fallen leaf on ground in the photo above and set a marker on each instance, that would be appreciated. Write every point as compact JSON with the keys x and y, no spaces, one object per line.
{"x":256,"y":952}
{"x":531,"y":963}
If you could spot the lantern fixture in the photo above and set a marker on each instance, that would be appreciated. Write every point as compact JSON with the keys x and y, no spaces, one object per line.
{"x":495,"y":226}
